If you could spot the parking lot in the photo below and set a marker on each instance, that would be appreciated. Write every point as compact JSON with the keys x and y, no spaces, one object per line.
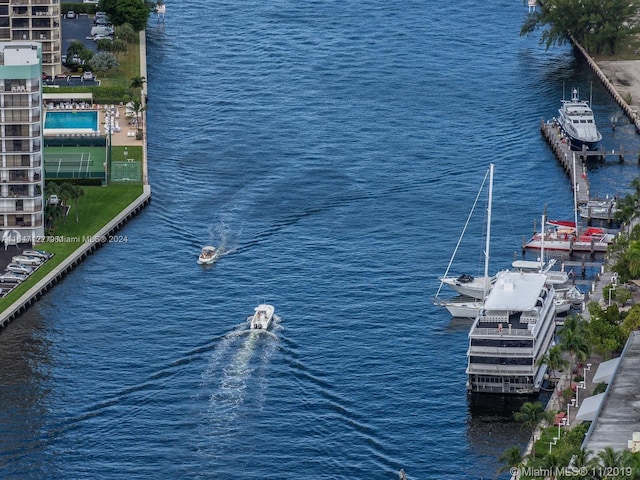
{"x":76,"y":29}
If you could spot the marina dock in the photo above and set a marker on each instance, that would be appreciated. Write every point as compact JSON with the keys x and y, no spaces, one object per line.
{"x":570,"y":159}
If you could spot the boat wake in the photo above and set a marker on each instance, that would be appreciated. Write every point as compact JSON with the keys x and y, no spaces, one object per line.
{"x":236,"y":379}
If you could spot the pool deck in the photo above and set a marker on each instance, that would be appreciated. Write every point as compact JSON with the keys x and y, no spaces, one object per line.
{"x":124,"y":137}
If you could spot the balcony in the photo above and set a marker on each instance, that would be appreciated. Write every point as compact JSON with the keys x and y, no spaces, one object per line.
{"x":20,"y":210}
{"x":501,"y":370}
{"x":501,"y":352}
{"x":24,"y":223}
{"x":497,"y":332}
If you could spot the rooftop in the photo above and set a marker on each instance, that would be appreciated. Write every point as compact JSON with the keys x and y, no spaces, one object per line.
{"x":515,"y":291}
{"x":619,"y":415}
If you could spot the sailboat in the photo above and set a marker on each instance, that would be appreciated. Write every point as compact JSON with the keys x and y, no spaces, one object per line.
{"x":467,"y":306}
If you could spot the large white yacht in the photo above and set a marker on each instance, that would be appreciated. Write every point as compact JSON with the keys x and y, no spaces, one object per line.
{"x":575,"y":117}
{"x":514,"y":328}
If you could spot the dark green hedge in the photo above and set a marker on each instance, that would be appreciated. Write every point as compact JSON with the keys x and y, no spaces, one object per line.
{"x":102,"y":95}
{"x":87,"y":182}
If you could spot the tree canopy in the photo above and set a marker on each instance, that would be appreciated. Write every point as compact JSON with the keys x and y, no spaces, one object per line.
{"x":103,"y":61}
{"x":595,"y":24}
{"x":134,"y":12}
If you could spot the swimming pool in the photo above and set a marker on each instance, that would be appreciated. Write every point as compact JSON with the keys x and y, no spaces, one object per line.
{"x":71,"y":122}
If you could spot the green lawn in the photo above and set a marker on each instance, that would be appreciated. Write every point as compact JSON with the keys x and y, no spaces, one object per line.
{"x":128,"y":69}
{"x":96,"y":208}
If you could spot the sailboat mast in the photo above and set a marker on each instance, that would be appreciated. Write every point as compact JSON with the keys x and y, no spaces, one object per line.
{"x":575,"y":194}
{"x":488,"y":242}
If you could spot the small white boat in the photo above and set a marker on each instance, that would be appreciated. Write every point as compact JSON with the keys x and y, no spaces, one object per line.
{"x":208,"y":255}
{"x":262,"y":317}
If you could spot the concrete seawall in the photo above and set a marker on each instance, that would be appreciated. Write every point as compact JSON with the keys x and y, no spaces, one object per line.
{"x":622,"y":103}
{"x":53,"y":277}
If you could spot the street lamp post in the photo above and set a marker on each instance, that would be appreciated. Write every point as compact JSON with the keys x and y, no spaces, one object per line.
{"x":553,"y":442}
{"x":562,"y":424}
{"x":572,"y":403}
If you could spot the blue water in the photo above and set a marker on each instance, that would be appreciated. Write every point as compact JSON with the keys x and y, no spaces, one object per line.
{"x":71,"y":120}
{"x":333,"y":150}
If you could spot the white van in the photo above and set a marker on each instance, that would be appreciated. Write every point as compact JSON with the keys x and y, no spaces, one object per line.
{"x":101,"y":30}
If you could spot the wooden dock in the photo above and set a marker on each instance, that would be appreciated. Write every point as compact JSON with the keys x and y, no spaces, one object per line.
{"x":569,"y":158}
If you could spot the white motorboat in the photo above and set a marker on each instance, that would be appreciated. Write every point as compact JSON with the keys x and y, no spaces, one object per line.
{"x":575,"y":117}
{"x":470,"y":286}
{"x":262,"y":317}
{"x":599,"y":209}
{"x":208,"y":255}
{"x":461,"y":307}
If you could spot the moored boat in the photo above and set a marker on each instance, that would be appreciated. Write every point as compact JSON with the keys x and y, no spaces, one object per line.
{"x":576,"y":119}
{"x":262,"y":317}
{"x":570,"y":239}
{"x":470,"y":286}
{"x":512,"y":331}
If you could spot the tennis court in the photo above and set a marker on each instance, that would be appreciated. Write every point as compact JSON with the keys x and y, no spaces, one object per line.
{"x":75,"y":162}
{"x":128,"y":171}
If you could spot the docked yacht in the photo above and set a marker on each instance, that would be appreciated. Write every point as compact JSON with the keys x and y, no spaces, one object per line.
{"x":577,"y":121}
{"x":208,"y":255}
{"x":513,"y":329}
{"x":262,"y":317}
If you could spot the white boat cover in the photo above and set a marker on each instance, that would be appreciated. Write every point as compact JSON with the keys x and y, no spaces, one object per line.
{"x":589,"y":408}
{"x":606,"y":370}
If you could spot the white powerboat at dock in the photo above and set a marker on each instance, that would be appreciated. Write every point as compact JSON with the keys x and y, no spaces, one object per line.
{"x":262,"y":317}
{"x":208,"y":255}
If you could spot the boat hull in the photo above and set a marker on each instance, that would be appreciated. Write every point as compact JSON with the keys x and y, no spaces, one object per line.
{"x":262,"y":318}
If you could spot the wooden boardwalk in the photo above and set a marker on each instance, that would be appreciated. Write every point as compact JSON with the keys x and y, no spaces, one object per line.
{"x":569,"y":158}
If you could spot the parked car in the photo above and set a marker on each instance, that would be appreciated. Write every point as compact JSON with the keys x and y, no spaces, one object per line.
{"x":101,"y":21}
{"x":11,"y":277}
{"x":88,"y":76}
{"x":19,"y":269}
{"x":37,"y":253}
{"x":24,"y":260}
{"x":71,"y":14}
{"x":100,"y":37}
{"x":101,"y":30}
{"x":53,"y":199}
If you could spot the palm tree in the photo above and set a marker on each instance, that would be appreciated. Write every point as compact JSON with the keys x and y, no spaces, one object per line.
{"x":138,"y":110}
{"x":633,"y":259}
{"x":75,"y":192}
{"x":609,"y":459}
{"x":530,"y":415}
{"x":511,"y":458}
{"x":553,"y":359}
{"x":137,"y":83}
{"x":573,"y":340}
